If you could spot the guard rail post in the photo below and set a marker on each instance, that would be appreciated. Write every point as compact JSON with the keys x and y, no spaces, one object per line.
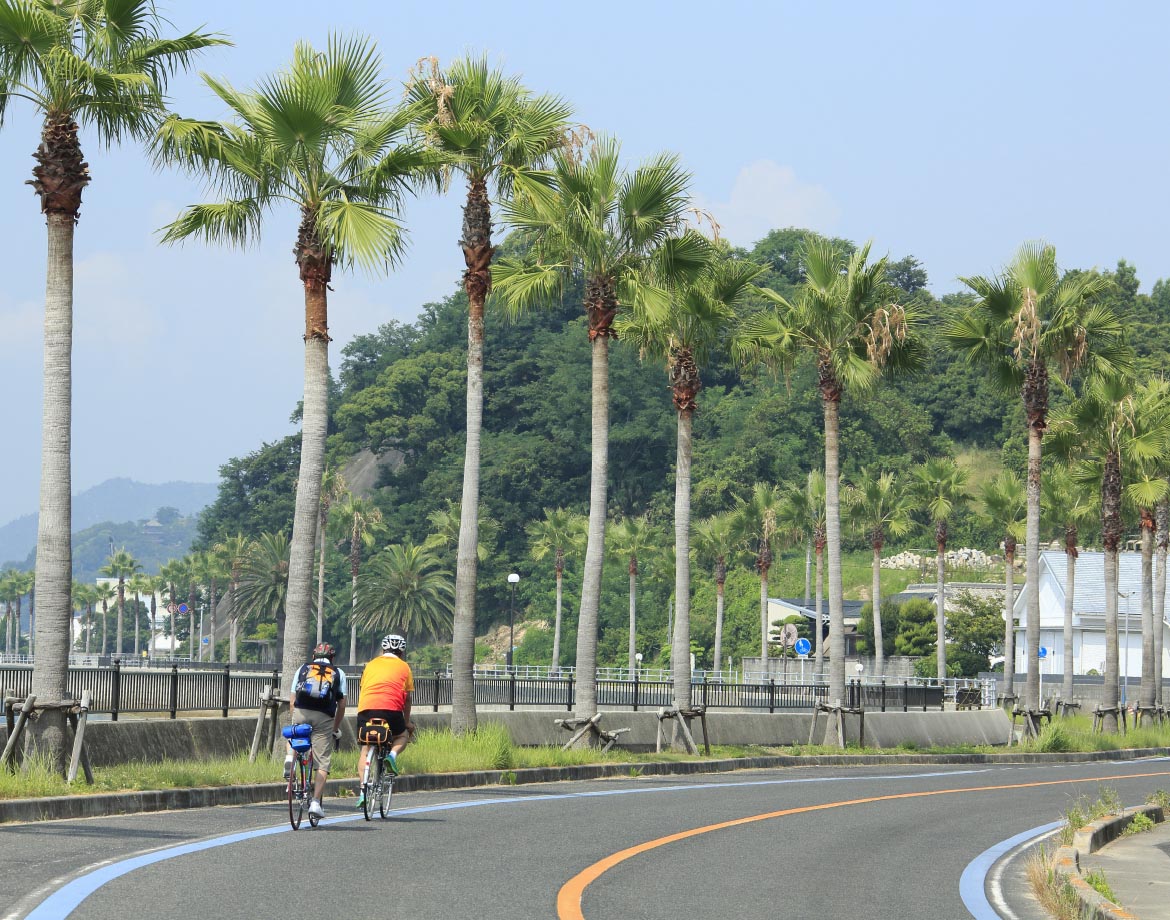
{"x":174,"y":689}
{"x":883,"y":694}
{"x":511,"y":691}
{"x":704,"y":689}
{"x":906,"y":695}
{"x":771,"y":694}
{"x":116,"y":690}
{"x":636,"y":681}
{"x":227,"y":687}
{"x":569,"y":694}
{"x":436,"y":700}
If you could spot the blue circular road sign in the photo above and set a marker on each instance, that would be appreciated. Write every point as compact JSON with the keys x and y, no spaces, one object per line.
{"x":182,"y":608}
{"x":1042,"y":653}
{"x":802,"y":646}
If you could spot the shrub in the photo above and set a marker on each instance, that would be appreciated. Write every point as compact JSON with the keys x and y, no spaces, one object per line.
{"x":1140,"y":823}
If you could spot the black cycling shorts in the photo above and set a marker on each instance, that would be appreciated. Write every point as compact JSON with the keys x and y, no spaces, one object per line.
{"x":392,"y":717}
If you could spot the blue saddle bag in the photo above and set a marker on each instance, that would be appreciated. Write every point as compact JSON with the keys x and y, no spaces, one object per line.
{"x":299,"y":736}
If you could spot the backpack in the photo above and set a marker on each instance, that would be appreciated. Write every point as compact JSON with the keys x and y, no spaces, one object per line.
{"x":316,"y":683}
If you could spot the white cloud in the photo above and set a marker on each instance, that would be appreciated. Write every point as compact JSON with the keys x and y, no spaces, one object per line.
{"x":767,"y":195}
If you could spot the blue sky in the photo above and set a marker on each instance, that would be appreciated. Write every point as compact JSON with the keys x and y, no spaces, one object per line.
{"x":949,"y":131}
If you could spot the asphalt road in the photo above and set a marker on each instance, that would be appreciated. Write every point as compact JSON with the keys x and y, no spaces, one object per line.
{"x":797,"y":843}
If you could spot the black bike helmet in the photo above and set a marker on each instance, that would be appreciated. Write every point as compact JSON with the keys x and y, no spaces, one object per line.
{"x":324,"y":650}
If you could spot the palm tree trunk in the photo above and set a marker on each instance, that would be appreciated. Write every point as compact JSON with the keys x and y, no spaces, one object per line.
{"x":1162,"y":516}
{"x":321,"y":585}
{"x":60,"y":176}
{"x":105,"y":625}
{"x":1111,"y":538}
{"x":121,"y":611}
{"x":763,"y":620}
{"x":17,"y":624}
{"x":878,"y":648}
{"x":1032,"y":570}
{"x":353,"y":618}
{"x":807,"y":570}
{"x":1146,"y":689}
{"x":211,"y":631}
{"x":88,"y":627}
{"x":477,"y":255}
{"x":138,"y":624}
{"x":153,"y":620}
{"x":820,"y":616}
{"x":633,"y":637}
{"x":718,"y":626}
{"x":32,"y":620}
{"x":833,"y":535}
{"x":1070,"y":582}
{"x":1009,"y":619}
{"x":681,"y":644}
{"x":556,"y":649}
{"x":586,"y":673}
{"x":940,"y":599}
{"x":303,"y":542}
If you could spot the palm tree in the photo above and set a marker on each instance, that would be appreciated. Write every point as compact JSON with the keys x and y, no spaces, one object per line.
{"x":99,"y":64}
{"x":1162,"y":520}
{"x":754,"y":525}
{"x":211,"y":568}
{"x":234,"y":552}
{"x":333,"y":487}
{"x":802,"y":517}
{"x":940,"y":487}
{"x":1065,"y":503}
{"x":560,"y":533}
{"x":714,"y":541}
{"x":590,"y":218}
{"x":8,"y":594}
{"x":362,"y":523}
{"x":105,"y":594}
{"x":405,"y":588}
{"x":877,"y":506}
{"x":120,"y":565}
{"x":78,"y":602}
{"x":846,"y":316}
{"x":1005,"y":507}
{"x":1110,"y":428}
{"x":1028,"y":321}
{"x":445,"y":526}
{"x":140,"y":584}
{"x":630,"y":538}
{"x":491,"y":129}
{"x":702,"y":314}
{"x":262,"y":591}
{"x":317,"y":135}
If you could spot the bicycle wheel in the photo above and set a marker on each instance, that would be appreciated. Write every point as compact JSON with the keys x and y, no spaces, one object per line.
{"x":296,"y":795}
{"x":371,"y":788}
{"x":307,"y":766}
{"x":384,"y":795}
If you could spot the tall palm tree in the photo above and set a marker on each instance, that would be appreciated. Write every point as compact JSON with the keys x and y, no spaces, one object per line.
{"x":211,"y":568}
{"x":939,"y":486}
{"x":78,"y":603}
{"x":361,"y":521}
{"x":234,"y":551}
{"x":490,"y":129}
{"x":878,"y":505}
{"x":9,"y":591}
{"x":1027,"y":323}
{"x":1109,"y":426}
{"x":1162,"y":520}
{"x":629,"y":539}
{"x":590,"y":218}
{"x":714,"y":541}
{"x":1066,"y":503}
{"x":802,"y":517}
{"x":100,"y":64}
{"x":846,"y":316}
{"x":405,"y":588}
{"x":1005,"y":507}
{"x":755,"y":526}
{"x":317,"y":135}
{"x":105,"y":593}
{"x":262,"y":591}
{"x":445,"y":525}
{"x":698,"y":324}
{"x":560,"y":533}
{"x":139,"y":584}
{"x":120,"y":565}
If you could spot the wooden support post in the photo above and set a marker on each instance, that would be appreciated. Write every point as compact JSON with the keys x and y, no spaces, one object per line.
{"x":77,"y":722}
{"x":816,"y":717}
{"x":258,"y":733}
{"x":7,"y":759}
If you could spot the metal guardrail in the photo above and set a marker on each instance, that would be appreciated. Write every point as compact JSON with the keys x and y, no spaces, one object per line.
{"x":117,"y":689}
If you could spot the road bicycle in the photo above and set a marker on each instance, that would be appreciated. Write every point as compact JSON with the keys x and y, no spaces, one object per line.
{"x":377,"y":778}
{"x":300,"y":774}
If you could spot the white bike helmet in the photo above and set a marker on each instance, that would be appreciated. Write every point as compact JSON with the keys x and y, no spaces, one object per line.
{"x":393,"y":643}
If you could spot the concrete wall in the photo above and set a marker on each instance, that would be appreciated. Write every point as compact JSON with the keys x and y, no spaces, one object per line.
{"x":188,"y":739}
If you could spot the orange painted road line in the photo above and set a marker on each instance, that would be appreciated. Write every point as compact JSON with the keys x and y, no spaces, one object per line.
{"x":573,"y":891}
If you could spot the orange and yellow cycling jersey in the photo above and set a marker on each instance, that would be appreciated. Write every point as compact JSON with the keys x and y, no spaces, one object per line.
{"x":385,"y":683}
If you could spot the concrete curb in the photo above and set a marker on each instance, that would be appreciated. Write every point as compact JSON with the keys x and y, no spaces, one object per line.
{"x":1089,"y":839}
{"x":123,"y":803}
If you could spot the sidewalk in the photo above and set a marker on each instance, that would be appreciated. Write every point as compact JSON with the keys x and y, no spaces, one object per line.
{"x":1137,"y":868}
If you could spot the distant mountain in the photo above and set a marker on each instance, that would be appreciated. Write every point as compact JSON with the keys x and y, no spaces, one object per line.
{"x":117,"y":500}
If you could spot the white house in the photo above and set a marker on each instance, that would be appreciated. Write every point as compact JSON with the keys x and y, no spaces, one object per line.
{"x":1088,"y":645}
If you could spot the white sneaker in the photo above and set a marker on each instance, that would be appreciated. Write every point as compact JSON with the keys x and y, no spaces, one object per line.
{"x":287,"y":767}
{"x":315,"y":809}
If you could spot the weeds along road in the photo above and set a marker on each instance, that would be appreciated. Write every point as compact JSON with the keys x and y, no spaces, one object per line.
{"x":808,"y":842}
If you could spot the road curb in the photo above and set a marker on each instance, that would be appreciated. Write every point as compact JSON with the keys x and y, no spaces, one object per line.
{"x":1089,"y":839}
{"x":123,"y":803}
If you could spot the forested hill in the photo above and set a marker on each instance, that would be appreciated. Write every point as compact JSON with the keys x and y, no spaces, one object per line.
{"x":399,"y":392}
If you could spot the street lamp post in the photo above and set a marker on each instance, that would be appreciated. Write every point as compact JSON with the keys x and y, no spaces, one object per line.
{"x":513,"y":580}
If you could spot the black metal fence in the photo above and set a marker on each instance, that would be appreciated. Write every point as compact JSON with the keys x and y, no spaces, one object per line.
{"x":115,"y":690}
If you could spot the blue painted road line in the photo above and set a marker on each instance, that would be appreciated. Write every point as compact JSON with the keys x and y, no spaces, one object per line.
{"x":973,"y":881}
{"x":66,"y":899}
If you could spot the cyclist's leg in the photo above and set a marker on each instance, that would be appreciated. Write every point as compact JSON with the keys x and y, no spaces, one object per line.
{"x":322,"y":749}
